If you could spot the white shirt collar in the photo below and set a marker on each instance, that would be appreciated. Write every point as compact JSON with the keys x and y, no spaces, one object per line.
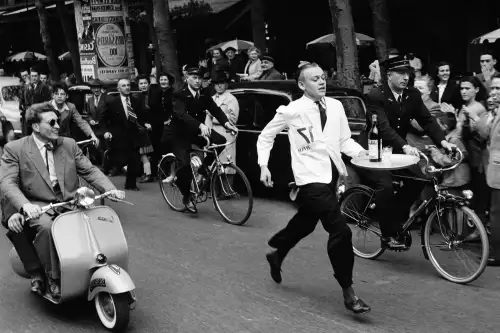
{"x":193,"y":92}
{"x":322,"y":100}
{"x":40,"y":145}
{"x":64,"y":108}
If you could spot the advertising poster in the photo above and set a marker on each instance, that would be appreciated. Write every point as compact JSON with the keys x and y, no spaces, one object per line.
{"x":103,"y":40}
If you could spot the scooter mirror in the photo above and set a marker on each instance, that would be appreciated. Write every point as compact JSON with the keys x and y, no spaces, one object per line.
{"x":85,"y":196}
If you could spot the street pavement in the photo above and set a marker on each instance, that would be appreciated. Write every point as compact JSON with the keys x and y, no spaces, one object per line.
{"x":198,"y":274}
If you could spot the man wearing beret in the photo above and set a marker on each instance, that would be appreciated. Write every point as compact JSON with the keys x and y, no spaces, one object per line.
{"x":191,"y":105}
{"x":395,"y":105}
{"x":268,"y":70}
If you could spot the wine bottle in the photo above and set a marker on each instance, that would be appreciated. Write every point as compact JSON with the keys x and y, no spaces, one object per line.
{"x":374,"y":142}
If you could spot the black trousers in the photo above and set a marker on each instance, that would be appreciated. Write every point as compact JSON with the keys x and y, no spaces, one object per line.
{"x":23,"y":243}
{"x":181,"y":147}
{"x":156,"y":135}
{"x":129,"y":157}
{"x":392,"y":210}
{"x":319,"y":202}
{"x":495,"y":224}
{"x":482,"y":194}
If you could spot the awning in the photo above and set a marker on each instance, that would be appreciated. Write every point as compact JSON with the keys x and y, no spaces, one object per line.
{"x":491,"y":37}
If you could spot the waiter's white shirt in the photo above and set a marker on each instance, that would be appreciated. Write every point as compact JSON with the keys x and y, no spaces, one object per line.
{"x":52,"y":169}
{"x":311,"y":148}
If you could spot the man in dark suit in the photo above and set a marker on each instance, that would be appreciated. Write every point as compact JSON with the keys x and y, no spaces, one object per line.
{"x":191,"y":104}
{"x":92,"y":110}
{"x":395,"y":106}
{"x":122,"y":118}
{"x":268,"y":70}
{"x":34,"y":92}
{"x":35,"y":171}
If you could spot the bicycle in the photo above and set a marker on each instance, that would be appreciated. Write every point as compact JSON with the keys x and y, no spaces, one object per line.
{"x":445,"y":210}
{"x":225,"y":180}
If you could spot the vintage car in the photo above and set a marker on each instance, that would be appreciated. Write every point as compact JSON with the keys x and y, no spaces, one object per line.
{"x":258,"y":101}
{"x":9,"y":101}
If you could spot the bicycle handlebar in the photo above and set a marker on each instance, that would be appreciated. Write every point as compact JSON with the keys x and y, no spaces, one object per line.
{"x":84,"y":142}
{"x":433,"y":170}
{"x":208,"y":146}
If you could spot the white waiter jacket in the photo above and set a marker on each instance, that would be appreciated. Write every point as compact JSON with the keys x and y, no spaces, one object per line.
{"x":311,"y":148}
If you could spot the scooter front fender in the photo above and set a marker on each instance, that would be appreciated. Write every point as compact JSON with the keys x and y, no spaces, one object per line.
{"x":111,"y":279}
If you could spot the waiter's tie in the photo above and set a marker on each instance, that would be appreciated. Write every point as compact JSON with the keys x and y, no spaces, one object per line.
{"x":48,"y":146}
{"x":130,"y":111}
{"x":322,"y":114}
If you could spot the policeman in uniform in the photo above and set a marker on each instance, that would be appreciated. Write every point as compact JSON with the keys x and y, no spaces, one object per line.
{"x":395,"y":105}
{"x":187,"y":127}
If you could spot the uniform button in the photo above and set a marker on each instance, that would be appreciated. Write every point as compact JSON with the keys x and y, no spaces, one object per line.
{"x":398,"y":126}
{"x":399,"y":118}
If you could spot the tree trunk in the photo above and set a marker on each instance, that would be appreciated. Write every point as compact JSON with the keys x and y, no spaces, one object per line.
{"x":44,"y":33}
{"x":258,"y":24}
{"x":166,"y":46}
{"x":154,"y":38}
{"x":345,"y":39}
{"x":71,"y":39}
{"x":381,"y":28}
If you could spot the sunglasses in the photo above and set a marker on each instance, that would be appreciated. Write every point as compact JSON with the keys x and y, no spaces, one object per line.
{"x":53,"y":122}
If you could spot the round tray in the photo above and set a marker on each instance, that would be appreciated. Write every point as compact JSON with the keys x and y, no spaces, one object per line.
{"x":394,"y":162}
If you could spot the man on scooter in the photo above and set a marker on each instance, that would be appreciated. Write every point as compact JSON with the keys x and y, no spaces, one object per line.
{"x":36,"y":170}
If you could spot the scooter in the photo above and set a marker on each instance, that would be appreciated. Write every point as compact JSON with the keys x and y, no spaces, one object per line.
{"x":93,"y":257}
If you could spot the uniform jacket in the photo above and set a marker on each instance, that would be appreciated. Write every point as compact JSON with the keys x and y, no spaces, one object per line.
{"x":189,"y":112}
{"x":394,"y":120}
{"x":311,"y":147}
{"x":24,"y":177}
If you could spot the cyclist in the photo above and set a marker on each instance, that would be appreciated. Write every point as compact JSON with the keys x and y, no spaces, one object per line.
{"x":67,"y":112}
{"x":395,"y":105}
{"x":191,"y":104}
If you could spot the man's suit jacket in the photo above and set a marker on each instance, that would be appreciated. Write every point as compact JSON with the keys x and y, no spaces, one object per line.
{"x":67,"y":119}
{"x":236,"y":66}
{"x":190,"y":112}
{"x":490,"y":132}
{"x":92,"y":112}
{"x":38,"y":94}
{"x":114,"y":120}
{"x":271,"y":74}
{"x":451,"y":95}
{"x":24,"y":177}
{"x":394,"y":120}
{"x":486,"y":84}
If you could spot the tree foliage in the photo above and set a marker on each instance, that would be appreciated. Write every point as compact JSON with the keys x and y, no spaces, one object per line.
{"x":191,"y":9}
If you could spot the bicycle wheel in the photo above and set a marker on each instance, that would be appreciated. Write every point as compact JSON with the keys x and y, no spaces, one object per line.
{"x":454,"y":254}
{"x":358,"y":208}
{"x":167,"y":169}
{"x":231,"y":194}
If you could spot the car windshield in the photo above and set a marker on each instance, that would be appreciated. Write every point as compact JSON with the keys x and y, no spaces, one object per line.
{"x":353,"y":107}
{"x":10,"y":93}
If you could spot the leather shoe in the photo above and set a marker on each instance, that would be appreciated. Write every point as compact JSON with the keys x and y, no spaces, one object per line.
{"x":275,"y":265}
{"x":37,"y":285}
{"x":493,"y":262}
{"x":146,"y":179}
{"x":358,"y":306}
{"x":54,"y":289}
{"x":190,"y":207}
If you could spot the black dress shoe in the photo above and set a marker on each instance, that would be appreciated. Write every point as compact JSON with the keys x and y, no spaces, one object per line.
{"x":37,"y":286}
{"x":113,"y":172}
{"x":358,"y":306}
{"x":492,"y":262}
{"x":190,"y":207}
{"x":275,"y":265}
{"x":146,"y":179}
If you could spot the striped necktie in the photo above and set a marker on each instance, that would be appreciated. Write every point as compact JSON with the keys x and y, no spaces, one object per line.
{"x":130,"y":111}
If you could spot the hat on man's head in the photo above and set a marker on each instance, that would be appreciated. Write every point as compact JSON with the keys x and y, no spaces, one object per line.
{"x":398,"y":64}
{"x":194,"y":70}
{"x":230,"y":48}
{"x":268,"y":58}
{"x":219,"y":77}
{"x":95,"y":83}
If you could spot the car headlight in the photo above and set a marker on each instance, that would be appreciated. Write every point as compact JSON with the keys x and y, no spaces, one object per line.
{"x":468,"y":194}
{"x":85,"y":196}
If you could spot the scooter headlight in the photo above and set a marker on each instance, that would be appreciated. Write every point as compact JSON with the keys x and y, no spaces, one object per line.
{"x":85,"y":196}
{"x":468,"y":194}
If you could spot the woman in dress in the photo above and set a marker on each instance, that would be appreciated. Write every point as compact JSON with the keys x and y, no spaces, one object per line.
{"x":145,"y":143}
{"x":253,"y":69}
